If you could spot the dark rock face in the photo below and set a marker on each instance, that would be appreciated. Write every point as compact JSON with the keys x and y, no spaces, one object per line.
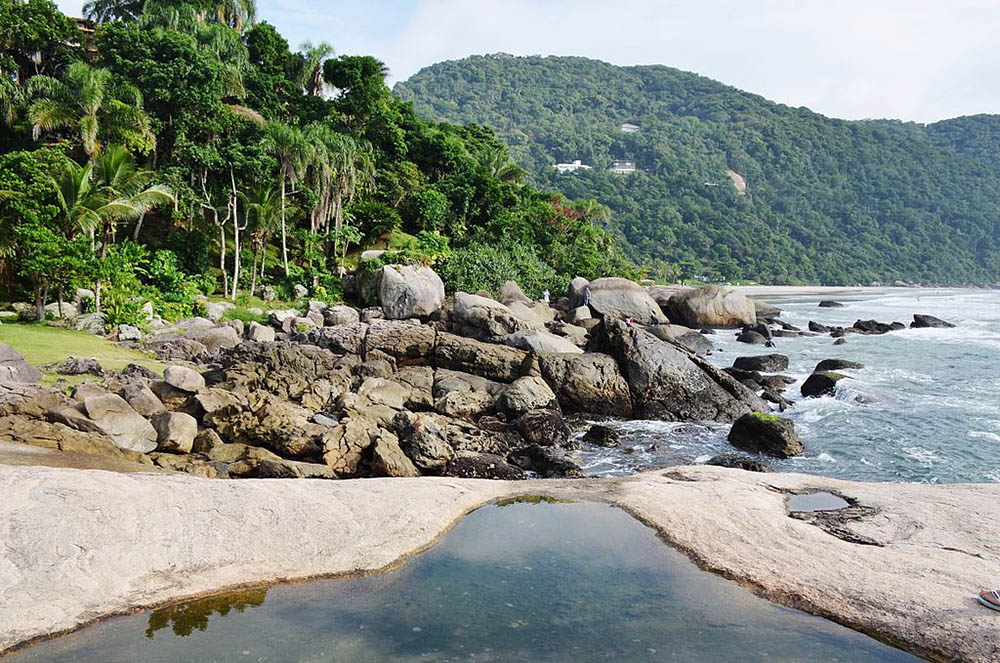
{"x":588,"y":383}
{"x":483,"y":466}
{"x":767,"y":434}
{"x":671,"y":384}
{"x":765,"y":363}
{"x":79,"y":366}
{"x":759,"y":327}
{"x":829,"y":303}
{"x":548,"y":462}
{"x":921,"y":320}
{"x":752,"y":338}
{"x":840,"y":341}
{"x":543,"y":427}
{"x":836,"y":365}
{"x":818,"y":328}
{"x":822,"y":383}
{"x":740,"y":462}
{"x":603,"y":436}
{"x":875,"y":327}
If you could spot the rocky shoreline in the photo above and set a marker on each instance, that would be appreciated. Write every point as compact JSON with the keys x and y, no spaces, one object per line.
{"x":901,"y":564}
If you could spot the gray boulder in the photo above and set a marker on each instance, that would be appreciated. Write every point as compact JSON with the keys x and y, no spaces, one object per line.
{"x":588,"y":383}
{"x":771,"y":363}
{"x":142,"y":399}
{"x":259,"y":333}
{"x":527,"y":393}
{"x":409,"y":291}
{"x":484,"y":318}
{"x":92,"y":323}
{"x":538,"y":341}
{"x":921,"y":320}
{"x":510,"y":292}
{"x":300,"y":291}
{"x":175,"y":431}
{"x":116,"y":419}
{"x":184,"y":378}
{"x":836,"y":365}
{"x":216,"y":338}
{"x":711,"y":306}
{"x":821,"y":383}
{"x":14,"y":369}
{"x":128,"y":333}
{"x":340,"y":315}
{"x":671,"y":384}
{"x":620,"y":298}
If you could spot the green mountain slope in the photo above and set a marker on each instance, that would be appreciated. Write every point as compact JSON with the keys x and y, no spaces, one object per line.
{"x":826,"y":200}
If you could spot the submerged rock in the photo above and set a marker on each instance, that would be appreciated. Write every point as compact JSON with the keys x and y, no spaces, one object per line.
{"x":822,"y":383}
{"x":836,"y":365}
{"x":740,"y":462}
{"x":767,"y":434}
{"x":771,"y":363}
{"x":829,"y":303}
{"x":602,"y":436}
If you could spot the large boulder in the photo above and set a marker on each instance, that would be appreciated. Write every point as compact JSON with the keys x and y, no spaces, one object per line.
{"x":14,"y":369}
{"x":340,"y":315}
{"x":527,"y":393}
{"x":142,"y":399}
{"x":175,"y":431}
{"x":766,"y":434}
{"x":60,"y":311}
{"x":92,"y":323}
{"x":620,"y":298}
{"x":409,"y":291}
{"x":681,"y":336}
{"x":921,"y":320}
{"x":406,"y":343}
{"x":424,"y":441}
{"x":538,"y":342}
{"x":259,"y":333}
{"x":388,"y":459}
{"x":495,"y":362}
{"x":119,"y":421}
{"x":588,"y":383}
{"x":511,"y":292}
{"x":671,"y":384}
{"x":836,"y":365}
{"x":711,"y":306}
{"x":184,"y":378}
{"x":661,"y":294}
{"x":545,"y":427}
{"x":485,"y":318}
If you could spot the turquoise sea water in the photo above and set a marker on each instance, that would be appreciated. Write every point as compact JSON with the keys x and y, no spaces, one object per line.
{"x":524,"y":582}
{"x":926,"y":407}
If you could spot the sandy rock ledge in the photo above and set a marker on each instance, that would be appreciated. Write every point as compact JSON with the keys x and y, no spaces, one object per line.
{"x":902,"y":564}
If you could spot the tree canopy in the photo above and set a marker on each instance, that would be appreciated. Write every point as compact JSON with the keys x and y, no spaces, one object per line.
{"x":825,"y":201}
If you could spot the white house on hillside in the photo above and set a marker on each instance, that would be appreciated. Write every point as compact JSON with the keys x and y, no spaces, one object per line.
{"x":622,"y":166}
{"x":571,"y":167}
{"x":627,"y":128}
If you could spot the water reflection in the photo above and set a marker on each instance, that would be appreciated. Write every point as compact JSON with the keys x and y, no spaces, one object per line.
{"x":184,"y":618}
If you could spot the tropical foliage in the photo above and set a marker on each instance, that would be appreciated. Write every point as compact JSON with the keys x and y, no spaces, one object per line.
{"x":185,"y":149}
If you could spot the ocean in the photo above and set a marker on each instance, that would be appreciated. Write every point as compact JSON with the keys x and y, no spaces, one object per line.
{"x":926,"y":406}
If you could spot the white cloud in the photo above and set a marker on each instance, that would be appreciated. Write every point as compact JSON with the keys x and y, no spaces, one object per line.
{"x":920,"y":60}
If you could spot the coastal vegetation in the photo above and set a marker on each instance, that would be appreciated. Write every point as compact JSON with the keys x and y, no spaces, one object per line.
{"x":728,"y":185}
{"x":183,"y":149}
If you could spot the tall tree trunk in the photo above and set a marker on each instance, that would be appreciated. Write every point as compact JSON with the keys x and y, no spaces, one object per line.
{"x":284,"y":244}
{"x":236,"y":236}
{"x":222,"y":259}
{"x":39,"y":301}
{"x":138,"y":227}
{"x":253,"y":271}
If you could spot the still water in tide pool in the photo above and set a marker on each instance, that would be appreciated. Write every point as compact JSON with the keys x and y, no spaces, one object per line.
{"x":925,"y":408}
{"x":522,"y":582}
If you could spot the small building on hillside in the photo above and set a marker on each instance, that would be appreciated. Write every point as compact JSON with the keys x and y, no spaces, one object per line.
{"x":571,"y":167}
{"x":627,"y":128}
{"x":622,"y":166}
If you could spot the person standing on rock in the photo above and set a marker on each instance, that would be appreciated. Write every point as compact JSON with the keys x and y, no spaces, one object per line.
{"x":586,"y":296}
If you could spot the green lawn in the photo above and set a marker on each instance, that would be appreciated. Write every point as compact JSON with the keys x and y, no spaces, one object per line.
{"x":40,"y":345}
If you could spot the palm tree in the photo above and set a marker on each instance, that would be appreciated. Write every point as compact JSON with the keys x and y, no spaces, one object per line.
{"x":290,"y":147}
{"x":354,"y":164}
{"x":236,"y":13}
{"x":311,"y":74}
{"x":499,"y":164}
{"x":91,"y":102}
{"x":106,"y":11}
{"x":262,"y":205}
{"x":95,"y":197}
{"x":12,"y":99}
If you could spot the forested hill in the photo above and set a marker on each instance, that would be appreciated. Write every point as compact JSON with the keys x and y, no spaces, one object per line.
{"x":826,"y":201}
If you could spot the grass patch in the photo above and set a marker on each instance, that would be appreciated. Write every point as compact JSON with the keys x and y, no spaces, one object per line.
{"x":766,"y":418}
{"x":40,"y":344}
{"x":243,"y":315}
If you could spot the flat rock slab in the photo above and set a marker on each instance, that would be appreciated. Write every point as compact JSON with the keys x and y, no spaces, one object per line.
{"x":903,"y":563}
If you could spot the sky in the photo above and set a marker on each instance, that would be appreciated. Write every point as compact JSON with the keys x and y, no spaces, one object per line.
{"x":919,"y":60}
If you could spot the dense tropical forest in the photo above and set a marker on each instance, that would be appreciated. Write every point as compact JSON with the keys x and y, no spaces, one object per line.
{"x":164,"y":150}
{"x":825,"y":200}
